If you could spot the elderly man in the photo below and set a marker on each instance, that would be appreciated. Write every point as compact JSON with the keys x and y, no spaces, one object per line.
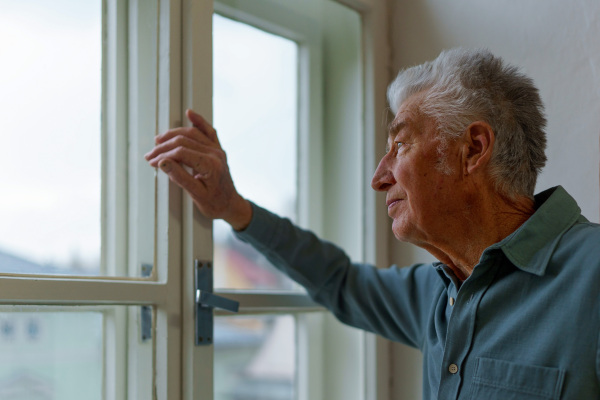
{"x":512,"y":308}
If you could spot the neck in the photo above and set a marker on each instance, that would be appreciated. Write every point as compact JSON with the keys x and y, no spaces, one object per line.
{"x":487,"y":220}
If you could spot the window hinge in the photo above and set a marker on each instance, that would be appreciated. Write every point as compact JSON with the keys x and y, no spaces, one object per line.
{"x":206,"y":301}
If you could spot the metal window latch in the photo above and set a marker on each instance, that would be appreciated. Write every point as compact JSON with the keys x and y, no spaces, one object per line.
{"x":206,"y":301}
{"x":146,"y":311}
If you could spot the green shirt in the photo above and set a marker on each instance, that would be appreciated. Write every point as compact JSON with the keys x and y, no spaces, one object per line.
{"x":524,"y":325}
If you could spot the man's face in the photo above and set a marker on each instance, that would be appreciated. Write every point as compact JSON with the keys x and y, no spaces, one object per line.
{"x":419,"y":195}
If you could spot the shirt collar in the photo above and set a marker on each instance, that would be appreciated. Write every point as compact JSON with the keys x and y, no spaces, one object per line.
{"x":530,"y":247}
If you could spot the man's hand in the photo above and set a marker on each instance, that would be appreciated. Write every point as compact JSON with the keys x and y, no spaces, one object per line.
{"x":210,"y":183}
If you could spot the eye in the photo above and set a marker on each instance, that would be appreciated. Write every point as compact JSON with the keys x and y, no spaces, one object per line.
{"x":398,"y":145}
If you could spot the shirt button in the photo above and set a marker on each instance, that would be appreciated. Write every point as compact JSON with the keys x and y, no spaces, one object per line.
{"x":453,"y":368}
{"x":451,"y":301}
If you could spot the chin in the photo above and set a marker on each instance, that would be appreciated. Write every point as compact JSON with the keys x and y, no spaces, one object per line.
{"x":404,"y":231}
{"x":400,"y":232}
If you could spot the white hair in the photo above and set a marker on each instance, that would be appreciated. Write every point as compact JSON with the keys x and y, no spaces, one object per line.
{"x":462,"y":86}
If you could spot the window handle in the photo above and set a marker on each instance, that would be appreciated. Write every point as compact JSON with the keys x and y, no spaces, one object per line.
{"x":206,"y":302}
{"x":207,"y":299}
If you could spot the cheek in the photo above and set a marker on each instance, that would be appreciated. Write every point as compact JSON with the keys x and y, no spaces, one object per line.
{"x":441,"y":182}
{"x":429,"y":196}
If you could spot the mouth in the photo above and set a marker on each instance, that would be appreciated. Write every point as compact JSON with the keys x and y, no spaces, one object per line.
{"x":392,"y":202}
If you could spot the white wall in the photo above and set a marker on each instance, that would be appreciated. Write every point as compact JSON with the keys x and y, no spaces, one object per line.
{"x":557,"y":43}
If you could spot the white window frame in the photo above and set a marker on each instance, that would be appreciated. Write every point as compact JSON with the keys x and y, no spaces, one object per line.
{"x":372,"y":367}
{"x":185,"y":80}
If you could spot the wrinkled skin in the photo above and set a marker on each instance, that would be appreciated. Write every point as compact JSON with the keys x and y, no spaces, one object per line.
{"x":210,"y":184}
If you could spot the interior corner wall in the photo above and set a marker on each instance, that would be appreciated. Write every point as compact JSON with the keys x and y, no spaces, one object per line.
{"x":557,"y":43}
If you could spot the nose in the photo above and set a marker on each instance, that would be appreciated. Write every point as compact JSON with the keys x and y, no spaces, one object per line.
{"x":383,"y":178}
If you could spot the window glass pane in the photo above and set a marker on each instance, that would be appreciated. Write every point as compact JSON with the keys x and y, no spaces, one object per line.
{"x":51,"y":355}
{"x":255,"y":358}
{"x":255,"y":114}
{"x":140,"y":133}
{"x":61,"y":352}
{"x":54,"y":204}
{"x":50,"y":93}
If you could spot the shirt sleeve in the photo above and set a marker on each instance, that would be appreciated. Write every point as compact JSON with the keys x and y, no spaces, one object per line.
{"x":394,"y":302}
{"x":598,"y":358}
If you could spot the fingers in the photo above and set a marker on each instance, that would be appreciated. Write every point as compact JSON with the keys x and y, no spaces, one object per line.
{"x":179,"y":143}
{"x":182,"y":178}
{"x":190,"y":132}
{"x":201,"y":131}
{"x":199,"y":122}
{"x":209,"y":184}
{"x":200,"y":161}
{"x":191,"y":146}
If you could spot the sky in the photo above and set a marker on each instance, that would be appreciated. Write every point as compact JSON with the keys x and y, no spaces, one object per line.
{"x":255,"y":112}
{"x":50,"y":88}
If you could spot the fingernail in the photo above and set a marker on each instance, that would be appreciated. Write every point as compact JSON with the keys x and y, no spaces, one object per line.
{"x":165,"y":166}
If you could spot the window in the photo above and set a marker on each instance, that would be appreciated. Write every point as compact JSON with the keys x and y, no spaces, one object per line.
{"x":69,"y":206}
{"x":119,"y":284}
{"x":310,"y":65}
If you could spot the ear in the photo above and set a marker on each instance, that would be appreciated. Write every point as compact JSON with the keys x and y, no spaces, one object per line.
{"x":478,"y":146}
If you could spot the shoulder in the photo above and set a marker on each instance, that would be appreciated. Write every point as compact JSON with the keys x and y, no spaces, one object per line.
{"x":586,"y":228}
{"x":576,"y":260}
{"x":581,"y":243}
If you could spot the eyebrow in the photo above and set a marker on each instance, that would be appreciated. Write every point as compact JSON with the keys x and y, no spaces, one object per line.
{"x":395,"y":126}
